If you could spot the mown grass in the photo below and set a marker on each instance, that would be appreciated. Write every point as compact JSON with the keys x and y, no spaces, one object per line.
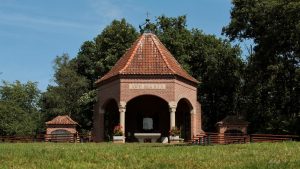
{"x":108,"y":155}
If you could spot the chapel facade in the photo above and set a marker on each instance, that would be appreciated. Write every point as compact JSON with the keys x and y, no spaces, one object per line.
{"x":147,"y":91}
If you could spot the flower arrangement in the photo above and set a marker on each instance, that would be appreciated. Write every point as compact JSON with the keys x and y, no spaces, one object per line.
{"x":174,"y":131}
{"x":118,"y":130}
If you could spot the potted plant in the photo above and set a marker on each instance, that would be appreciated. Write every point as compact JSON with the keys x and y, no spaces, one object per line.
{"x":174,"y":134}
{"x":118,"y":134}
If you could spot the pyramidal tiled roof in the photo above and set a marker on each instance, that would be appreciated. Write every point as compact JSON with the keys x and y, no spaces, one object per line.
{"x":62,"y":120}
{"x":147,"y":56}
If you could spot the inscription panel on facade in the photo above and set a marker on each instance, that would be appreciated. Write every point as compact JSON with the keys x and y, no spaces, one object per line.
{"x":157,"y":86}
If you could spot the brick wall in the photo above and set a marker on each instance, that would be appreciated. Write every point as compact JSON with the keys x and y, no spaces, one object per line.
{"x":71,"y":129}
{"x":119,"y":90}
{"x":166,"y":94}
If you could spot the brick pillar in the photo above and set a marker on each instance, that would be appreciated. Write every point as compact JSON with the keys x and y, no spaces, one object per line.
{"x":122,"y":109}
{"x":101,"y":124}
{"x":172,"y":107}
{"x":221,"y":134}
{"x":98,"y":128}
{"x":193,"y":125}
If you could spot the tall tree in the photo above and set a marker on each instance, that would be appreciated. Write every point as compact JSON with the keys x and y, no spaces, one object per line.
{"x":206,"y":57}
{"x":213,"y":61}
{"x":272,"y":99}
{"x":19,"y":110}
{"x":97,"y":57}
{"x":74,"y":92}
{"x":173,"y":32}
{"x":218,"y":66}
{"x":63,"y":98}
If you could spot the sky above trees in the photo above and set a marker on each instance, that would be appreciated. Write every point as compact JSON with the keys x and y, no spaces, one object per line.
{"x":33,"y":33}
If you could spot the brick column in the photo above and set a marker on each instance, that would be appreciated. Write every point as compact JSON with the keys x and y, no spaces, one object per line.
{"x":172,"y":107}
{"x":101,"y":120}
{"x":122,"y":109}
{"x":98,"y":128}
{"x":193,"y":125}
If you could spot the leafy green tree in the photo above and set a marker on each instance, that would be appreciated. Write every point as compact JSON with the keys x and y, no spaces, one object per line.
{"x":272,"y":99}
{"x":173,"y":32}
{"x":19,"y":110}
{"x":213,"y":61}
{"x":63,"y":98}
{"x":97,"y":57}
{"x":75,"y":91}
{"x":206,"y":57}
{"x":218,"y":66}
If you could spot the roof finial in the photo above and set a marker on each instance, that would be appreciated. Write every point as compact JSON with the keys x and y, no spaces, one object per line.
{"x":147,"y":19}
{"x":146,"y":27}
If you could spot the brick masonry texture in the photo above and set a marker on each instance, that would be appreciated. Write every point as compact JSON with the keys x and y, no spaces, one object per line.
{"x":146,"y":63}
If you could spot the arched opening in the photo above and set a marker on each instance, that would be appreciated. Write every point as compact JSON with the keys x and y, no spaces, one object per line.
{"x":233,"y":132}
{"x":61,"y":132}
{"x":61,"y":135}
{"x":183,"y":118}
{"x":146,"y":114}
{"x":111,"y":118}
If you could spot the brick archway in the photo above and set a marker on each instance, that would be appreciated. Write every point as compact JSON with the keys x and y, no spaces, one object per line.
{"x":147,"y":68}
{"x":147,"y":106}
{"x":111,"y":118}
{"x":183,"y":115}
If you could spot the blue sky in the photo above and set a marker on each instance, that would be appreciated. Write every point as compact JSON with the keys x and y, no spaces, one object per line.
{"x":34,"y":32}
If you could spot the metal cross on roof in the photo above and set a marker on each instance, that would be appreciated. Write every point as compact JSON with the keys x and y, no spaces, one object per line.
{"x":146,"y":26}
{"x":148,"y":19}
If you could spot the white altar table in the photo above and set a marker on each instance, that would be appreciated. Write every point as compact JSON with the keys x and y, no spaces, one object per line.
{"x":151,"y":136}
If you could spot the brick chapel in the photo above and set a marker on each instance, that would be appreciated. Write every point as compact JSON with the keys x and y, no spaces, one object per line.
{"x":147,"y":91}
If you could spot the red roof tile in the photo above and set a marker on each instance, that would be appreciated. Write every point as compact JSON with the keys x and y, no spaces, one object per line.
{"x":61,"y":120}
{"x":147,"y":56}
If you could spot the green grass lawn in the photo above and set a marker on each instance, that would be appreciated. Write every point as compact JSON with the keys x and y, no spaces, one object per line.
{"x":108,"y":155}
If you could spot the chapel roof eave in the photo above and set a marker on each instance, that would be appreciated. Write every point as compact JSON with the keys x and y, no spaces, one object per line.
{"x":62,"y":120}
{"x":232,"y":120}
{"x":143,"y":76}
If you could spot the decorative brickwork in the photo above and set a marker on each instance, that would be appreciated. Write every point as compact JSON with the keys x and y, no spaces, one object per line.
{"x":148,"y":69}
{"x":60,"y":125}
{"x":231,"y":125}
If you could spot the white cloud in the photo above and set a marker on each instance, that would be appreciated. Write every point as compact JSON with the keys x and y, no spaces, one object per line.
{"x":37,"y":22}
{"x":107,"y":9}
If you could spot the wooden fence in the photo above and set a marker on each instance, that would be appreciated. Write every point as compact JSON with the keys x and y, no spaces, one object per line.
{"x":203,"y":139}
{"x":216,"y":138}
{"x":71,"y":138}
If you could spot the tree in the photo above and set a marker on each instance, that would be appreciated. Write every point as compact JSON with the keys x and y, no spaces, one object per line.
{"x":174,"y":34}
{"x":63,"y":98}
{"x":272,"y":100}
{"x":19,"y":110}
{"x":206,"y":57}
{"x":213,"y":61}
{"x":97,"y":57}
{"x":218,"y":66}
{"x":75,"y":91}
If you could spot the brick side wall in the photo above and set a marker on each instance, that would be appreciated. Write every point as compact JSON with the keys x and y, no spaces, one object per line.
{"x":105,"y":93}
{"x":189,"y":93}
{"x":119,"y":91}
{"x":98,"y":124}
{"x":109,"y":91}
{"x":198,"y":117}
{"x":183,"y":90}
